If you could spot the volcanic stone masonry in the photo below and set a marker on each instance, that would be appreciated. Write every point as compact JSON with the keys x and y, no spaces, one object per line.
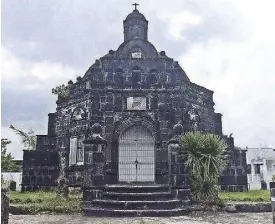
{"x":138,"y":95}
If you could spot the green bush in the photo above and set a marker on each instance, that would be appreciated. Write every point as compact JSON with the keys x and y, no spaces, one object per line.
{"x":205,"y":157}
{"x":35,"y":202}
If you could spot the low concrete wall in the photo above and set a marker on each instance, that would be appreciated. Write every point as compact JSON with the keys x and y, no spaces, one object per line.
{"x":13,"y":176}
{"x":5,"y":201}
{"x":248,"y":207}
{"x":230,"y":208}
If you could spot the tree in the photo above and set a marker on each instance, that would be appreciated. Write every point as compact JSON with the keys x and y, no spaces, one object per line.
{"x":205,"y":157}
{"x":27,"y":138}
{"x":61,"y":90}
{"x":7,"y":163}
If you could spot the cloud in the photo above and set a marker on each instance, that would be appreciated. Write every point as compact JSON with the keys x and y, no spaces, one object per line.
{"x":26,"y":94}
{"x":178,"y":21}
{"x":226,"y":45}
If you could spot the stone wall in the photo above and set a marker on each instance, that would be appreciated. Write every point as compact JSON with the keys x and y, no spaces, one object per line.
{"x":45,"y":143}
{"x":234,"y":178}
{"x":51,"y":124}
{"x":40,"y":170}
{"x":100,"y":96}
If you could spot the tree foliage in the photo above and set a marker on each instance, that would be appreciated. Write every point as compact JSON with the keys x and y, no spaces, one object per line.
{"x":27,"y":138}
{"x":205,"y":157}
{"x":61,"y":90}
{"x":7,"y":163}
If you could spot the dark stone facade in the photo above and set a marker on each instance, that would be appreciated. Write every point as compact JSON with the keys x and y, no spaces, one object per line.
{"x":234,"y":178}
{"x":136,"y":69}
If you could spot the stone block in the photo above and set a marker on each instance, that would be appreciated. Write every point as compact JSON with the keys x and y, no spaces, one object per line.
{"x":161,"y":155}
{"x":241,"y":180}
{"x":174,"y":168}
{"x":183,"y":194}
{"x":98,"y":180}
{"x":182,"y":168}
{"x":173,"y":158}
{"x":181,"y":180}
{"x":162,"y":165}
{"x":89,"y":195}
{"x":98,"y":157}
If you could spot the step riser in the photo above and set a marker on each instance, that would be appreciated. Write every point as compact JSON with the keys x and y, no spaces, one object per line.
{"x":137,"y":206}
{"x":129,"y":213}
{"x":137,"y":190}
{"x":137,"y":198}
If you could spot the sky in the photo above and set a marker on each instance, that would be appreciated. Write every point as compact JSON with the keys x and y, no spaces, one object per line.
{"x":227,"y":46}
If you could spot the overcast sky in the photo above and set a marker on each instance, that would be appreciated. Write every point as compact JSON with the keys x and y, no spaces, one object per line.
{"x":225,"y":45}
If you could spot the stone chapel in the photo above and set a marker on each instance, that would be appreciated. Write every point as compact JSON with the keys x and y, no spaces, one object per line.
{"x":141,"y":98}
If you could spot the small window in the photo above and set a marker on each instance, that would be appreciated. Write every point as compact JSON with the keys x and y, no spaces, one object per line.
{"x":80,"y":151}
{"x":76,"y":151}
{"x":257,"y":168}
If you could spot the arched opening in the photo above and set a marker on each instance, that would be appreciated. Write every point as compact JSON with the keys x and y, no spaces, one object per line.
{"x":136,"y":155}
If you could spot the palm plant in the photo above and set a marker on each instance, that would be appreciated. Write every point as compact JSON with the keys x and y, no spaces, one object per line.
{"x":27,"y":138}
{"x":205,"y":158}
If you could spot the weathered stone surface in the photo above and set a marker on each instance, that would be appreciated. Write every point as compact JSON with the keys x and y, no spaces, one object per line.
{"x":5,"y":204}
{"x":173,"y":105}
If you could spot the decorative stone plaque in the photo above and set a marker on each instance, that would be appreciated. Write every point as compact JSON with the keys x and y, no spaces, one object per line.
{"x":78,"y":114}
{"x":136,"y":103}
{"x":136,"y":55}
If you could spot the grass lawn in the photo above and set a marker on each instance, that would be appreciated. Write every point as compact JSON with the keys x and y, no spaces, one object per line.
{"x":34,"y":202}
{"x":249,"y":196}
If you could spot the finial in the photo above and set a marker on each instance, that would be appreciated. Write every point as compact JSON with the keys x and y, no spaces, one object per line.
{"x":135,"y":4}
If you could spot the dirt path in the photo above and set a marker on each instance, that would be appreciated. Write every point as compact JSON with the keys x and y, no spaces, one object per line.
{"x":221,"y":218}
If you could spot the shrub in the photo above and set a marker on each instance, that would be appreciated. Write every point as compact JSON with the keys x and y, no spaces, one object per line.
{"x":36,"y":202}
{"x":205,"y":157}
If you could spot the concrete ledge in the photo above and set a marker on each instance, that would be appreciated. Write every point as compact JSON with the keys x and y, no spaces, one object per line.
{"x":249,"y":207}
{"x":230,"y":208}
{"x":235,"y":207}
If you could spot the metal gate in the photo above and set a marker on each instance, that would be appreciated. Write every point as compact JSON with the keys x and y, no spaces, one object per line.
{"x":136,"y":156}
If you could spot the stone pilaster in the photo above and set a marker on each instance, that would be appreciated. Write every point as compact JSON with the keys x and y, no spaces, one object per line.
{"x":178,"y":172}
{"x":94,"y":166}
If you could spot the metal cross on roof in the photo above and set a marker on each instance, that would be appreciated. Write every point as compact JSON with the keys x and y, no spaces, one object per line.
{"x":135,"y":4}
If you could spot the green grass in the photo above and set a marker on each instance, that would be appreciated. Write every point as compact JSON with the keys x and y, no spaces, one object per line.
{"x":35,"y":202}
{"x":249,"y":196}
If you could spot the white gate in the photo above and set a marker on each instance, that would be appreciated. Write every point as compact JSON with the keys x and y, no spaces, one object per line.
{"x":136,"y":156}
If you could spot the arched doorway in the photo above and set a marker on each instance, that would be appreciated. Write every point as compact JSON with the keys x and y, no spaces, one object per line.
{"x":136,"y":155}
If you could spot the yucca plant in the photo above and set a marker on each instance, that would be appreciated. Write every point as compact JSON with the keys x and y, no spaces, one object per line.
{"x":205,"y":157}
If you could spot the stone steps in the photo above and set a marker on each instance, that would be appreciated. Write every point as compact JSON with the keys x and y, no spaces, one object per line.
{"x":136,"y":188}
{"x":135,"y":213}
{"x":135,"y":200}
{"x":137,"y":196}
{"x":114,"y":204}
